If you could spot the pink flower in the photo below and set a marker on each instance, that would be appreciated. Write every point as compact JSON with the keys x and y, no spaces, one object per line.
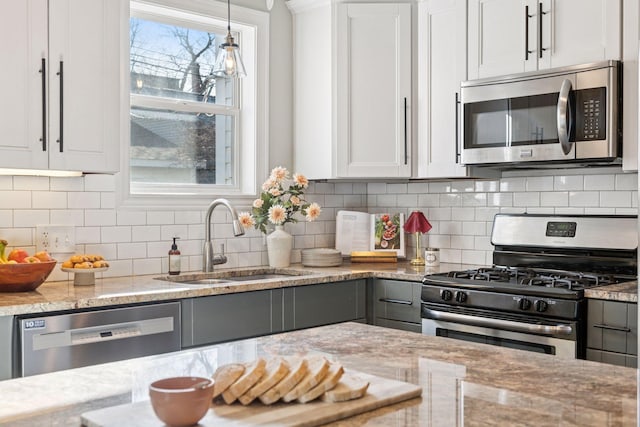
{"x":246,"y":219}
{"x":275,"y":192}
{"x":313,"y":211}
{"x":268,"y":184}
{"x":295,"y":200}
{"x":277,"y":214}
{"x":301,"y":180}
{"x":257,"y":203}
{"x":279,"y":174}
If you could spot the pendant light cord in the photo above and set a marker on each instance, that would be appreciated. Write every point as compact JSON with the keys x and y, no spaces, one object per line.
{"x":229,"y":16}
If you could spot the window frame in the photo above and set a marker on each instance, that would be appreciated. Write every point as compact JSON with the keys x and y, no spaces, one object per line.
{"x":251,"y":112}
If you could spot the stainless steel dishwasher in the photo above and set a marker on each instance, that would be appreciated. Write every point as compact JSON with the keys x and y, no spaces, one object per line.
{"x":54,"y":342}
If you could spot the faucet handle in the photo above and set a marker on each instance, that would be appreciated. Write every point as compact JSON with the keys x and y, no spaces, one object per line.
{"x":221,"y":248}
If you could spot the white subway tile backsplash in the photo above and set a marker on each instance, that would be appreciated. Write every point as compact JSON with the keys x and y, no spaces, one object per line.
{"x":387,"y":200}
{"x":626,"y":181}
{"x":48,"y":200}
{"x":569,"y":211}
{"x":450,"y":227}
{"x":428,"y":200}
{"x":99,"y":182}
{"x":407,"y":201}
{"x":132,"y":250}
{"x":115,"y":234}
{"x":107,"y":200}
{"x":462,"y":242}
{"x":149,"y":266}
{"x":160,"y":217}
{"x":453,"y":256}
{"x":189,"y":217}
{"x":539,"y":183}
{"x":463,"y":186}
{"x":6,"y":218}
{"x":75,"y":183}
{"x":600,"y":211}
{"x":109,"y":251}
{"x":117,"y":269}
{"x":438,"y":214}
{"x":568,"y":182}
{"x":18,"y":237}
{"x":513,"y":184}
{"x":526,"y":198}
{"x":67,"y":217}
{"x":158,"y":249}
{"x":473,"y":228}
{"x":450,"y":199}
{"x":474,"y":199}
{"x":440,"y":187}
{"x":554,"y":198}
{"x":500,"y":199}
{"x":485,"y":214}
{"x":487,"y":186}
{"x":168,"y":232}
{"x":30,"y":218}
{"x":16,"y":199}
{"x":131,"y":218}
{"x":617,"y":199}
{"x":462,"y":214}
{"x":584,"y":198}
{"x":599,"y":182}
{"x":6,"y":182}
{"x":418,"y":187}
{"x":87,"y":235}
{"x":31,"y":183}
{"x":145,"y":233}
{"x":473,"y":257}
{"x":80,"y":200}
{"x":99,"y":217}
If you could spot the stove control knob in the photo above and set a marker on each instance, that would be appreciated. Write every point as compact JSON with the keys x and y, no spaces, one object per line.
{"x":460,"y":296}
{"x":446,"y":294}
{"x":524,"y":304}
{"x":541,"y":306}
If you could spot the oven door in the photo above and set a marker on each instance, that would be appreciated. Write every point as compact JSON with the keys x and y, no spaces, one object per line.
{"x":503,"y":330}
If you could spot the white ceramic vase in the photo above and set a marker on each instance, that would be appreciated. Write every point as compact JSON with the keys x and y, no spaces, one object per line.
{"x":279,"y":244}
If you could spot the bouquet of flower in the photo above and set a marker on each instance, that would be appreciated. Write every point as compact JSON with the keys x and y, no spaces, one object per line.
{"x":280,"y":199}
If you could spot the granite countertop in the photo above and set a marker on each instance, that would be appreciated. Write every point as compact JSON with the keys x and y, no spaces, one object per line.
{"x":64,"y":295}
{"x":463,"y":383}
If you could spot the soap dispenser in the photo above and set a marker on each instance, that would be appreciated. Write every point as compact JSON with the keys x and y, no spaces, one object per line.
{"x":174,"y":258}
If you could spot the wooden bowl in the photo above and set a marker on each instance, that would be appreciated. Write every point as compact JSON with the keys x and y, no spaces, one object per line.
{"x":24,"y":277}
{"x":181,"y":401}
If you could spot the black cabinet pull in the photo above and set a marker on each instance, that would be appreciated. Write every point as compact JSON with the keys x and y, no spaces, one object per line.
{"x":526,"y":33}
{"x":540,"y":13}
{"x":457,"y":159}
{"x":612,"y":328}
{"x":395,"y":301}
{"x":43,"y":71}
{"x":405,"y":130}
{"x":60,"y":73}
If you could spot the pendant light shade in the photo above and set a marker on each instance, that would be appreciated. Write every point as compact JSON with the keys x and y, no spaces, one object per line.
{"x":229,"y":62}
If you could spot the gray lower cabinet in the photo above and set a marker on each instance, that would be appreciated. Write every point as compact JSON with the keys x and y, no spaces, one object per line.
{"x":612,"y":332}
{"x":396,"y":304}
{"x":220,"y":318}
{"x":323,"y":304}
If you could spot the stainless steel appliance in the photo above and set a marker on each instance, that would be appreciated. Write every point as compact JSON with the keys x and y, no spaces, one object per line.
{"x":48,"y":343}
{"x":570,"y":114}
{"x":532,"y":298}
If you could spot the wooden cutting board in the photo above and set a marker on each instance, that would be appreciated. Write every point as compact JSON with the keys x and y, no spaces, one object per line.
{"x":381,"y":392}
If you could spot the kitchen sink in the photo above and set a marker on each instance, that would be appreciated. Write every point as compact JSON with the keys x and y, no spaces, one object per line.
{"x":215,"y":278}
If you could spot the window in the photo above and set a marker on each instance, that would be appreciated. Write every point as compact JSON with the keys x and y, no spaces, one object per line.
{"x":192,"y":134}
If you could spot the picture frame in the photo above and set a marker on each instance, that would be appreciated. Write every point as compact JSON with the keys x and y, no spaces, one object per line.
{"x":387,"y":233}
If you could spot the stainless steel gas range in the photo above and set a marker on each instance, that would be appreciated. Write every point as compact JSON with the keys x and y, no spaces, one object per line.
{"x":532,"y":298}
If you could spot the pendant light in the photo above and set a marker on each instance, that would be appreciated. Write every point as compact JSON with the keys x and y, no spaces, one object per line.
{"x":229,"y":62}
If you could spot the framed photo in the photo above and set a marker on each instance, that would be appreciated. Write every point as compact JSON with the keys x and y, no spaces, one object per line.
{"x":387,"y":233}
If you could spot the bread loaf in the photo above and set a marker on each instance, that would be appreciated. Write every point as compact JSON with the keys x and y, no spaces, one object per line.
{"x":252,"y":373}
{"x":226,"y":375}
{"x":318,"y":368}
{"x":350,"y":387}
{"x":298,"y":368}
{"x":330,"y":380}
{"x":275,"y":371}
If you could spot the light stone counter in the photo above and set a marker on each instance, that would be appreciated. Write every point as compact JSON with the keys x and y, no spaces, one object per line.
{"x":463,"y":383}
{"x":64,"y":295}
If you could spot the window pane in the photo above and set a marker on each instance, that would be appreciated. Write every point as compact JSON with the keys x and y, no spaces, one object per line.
{"x":181,"y":148}
{"x":170,"y":61}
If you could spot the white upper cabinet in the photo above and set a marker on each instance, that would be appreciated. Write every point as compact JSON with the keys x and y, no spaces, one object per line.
{"x":512,"y":36}
{"x":442,"y":65}
{"x":352,"y":90}
{"x":62,"y":109}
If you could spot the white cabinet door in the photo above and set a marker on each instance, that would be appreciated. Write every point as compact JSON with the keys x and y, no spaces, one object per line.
{"x":373,"y":90}
{"x":501,"y":37}
{"x":442,"y":65}
{"x":68,"y":120}
{"x":23,"y":113}
{"x":85,"y":99}
{"x":511,"y":36}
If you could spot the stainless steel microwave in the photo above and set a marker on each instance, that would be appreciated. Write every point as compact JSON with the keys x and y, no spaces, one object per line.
{"x":563,"y":115}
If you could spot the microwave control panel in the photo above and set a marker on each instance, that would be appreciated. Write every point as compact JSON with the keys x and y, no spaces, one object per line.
{"x":591,"y":113}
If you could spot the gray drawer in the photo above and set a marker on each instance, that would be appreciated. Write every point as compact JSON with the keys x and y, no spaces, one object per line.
{"x":396,"y":300}
{"x":612,"y":358}
{"x":395,"y":324}
{"x":612,"y":326}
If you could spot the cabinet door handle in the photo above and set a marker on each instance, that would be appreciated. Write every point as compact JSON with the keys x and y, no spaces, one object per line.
{"x":612,"y":328}
{"x":457,"y":103}
{"x":405,"y":130}
{"x":61,"y":74}
{"x":43,"y":71}
{"x":395,"y":301}
{"x":526,"y":33}
{"x":540,"y":13}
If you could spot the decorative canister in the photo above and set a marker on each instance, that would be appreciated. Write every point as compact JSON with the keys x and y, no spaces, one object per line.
{"x":432,"y":257}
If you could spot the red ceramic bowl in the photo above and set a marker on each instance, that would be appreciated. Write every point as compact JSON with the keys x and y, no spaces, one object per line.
{"x":181,"y":401}
{"x":24,"y":277}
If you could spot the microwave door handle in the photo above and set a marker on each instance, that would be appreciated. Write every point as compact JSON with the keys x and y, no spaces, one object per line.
{"x":457,"y":133}
{"x":563,"y":112}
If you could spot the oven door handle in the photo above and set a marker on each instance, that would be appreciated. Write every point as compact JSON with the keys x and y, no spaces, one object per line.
{"x":497,"y":323}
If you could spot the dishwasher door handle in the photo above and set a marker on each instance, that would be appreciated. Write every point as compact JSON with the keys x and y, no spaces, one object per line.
{"x":497,"y":323}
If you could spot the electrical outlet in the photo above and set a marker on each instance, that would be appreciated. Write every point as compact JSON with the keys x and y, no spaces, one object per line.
{"x":56,"y":238}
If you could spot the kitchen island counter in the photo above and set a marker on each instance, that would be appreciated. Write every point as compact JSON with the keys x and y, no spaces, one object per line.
{"x":463,"y":383}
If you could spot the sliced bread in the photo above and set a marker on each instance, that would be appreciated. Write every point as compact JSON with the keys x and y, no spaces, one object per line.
{"x":350,"y":387}
{"x":226,"y":375}
{"x":252,"y":373}
{"x":330,"y":380}
{"x":298,"y":368}
{"x":276,"y":369}
{"x":318,"y":368}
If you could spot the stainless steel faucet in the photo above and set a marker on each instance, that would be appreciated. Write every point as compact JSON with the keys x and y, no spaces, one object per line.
{"x":208,"y":258}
